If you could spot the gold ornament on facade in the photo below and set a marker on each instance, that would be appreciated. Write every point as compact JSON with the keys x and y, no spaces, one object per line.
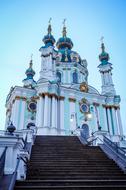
{"x":83,"y":87}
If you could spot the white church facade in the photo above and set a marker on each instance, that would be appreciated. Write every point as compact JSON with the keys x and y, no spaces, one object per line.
{"x":62,"y":101}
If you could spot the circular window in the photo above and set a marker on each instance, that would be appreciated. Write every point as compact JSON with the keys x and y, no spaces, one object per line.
{"x":32,"y":106}
{"x":84,"y":108}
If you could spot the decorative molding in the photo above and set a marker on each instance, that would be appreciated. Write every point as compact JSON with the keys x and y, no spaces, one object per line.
{"x":111,"y":106}
{"x":95,"y":104}
{"x":61,"y":97}
{"x":72,"y":99}
{"x":34,"y":98}
{"x":20,"y":98}
{"x":83,"y":87}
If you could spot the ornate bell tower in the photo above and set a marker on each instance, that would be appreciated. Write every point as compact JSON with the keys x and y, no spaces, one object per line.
{"x":105,"y":69}
{"x":48,"y":55}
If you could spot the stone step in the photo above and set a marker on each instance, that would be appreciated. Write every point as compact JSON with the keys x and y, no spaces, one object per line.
{"x":71,"y":182}
{"x":64,"y":163}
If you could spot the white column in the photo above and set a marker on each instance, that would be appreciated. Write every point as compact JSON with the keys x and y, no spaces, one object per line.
{"x":115,"y":121}
{"x":102,"y":77}
{"x":22,"y":115}
{"x":46,"y":111}
{"x":15,"y":113}
{"x":37,"y":112}
{"x":105,"y":119}
{"x":69,"y":78}
{"x":56,"y":104}
{"x":109,"y":121}
{"x":49,"y":111}
{"x":119,"y":122}
{"x":53,"y":112}
{"x":12,"y":112}
{"x":41,"y":113}
{"x":62,"y":114}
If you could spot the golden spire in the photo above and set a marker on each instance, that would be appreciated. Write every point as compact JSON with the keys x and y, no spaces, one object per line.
{"x":49,"y":26}
{"x":64,"y":28}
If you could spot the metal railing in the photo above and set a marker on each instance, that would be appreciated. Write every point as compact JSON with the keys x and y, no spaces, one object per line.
{"x":110,"y":148}
{"x":27,"y":148}
{"x":2,"y":162}
{"x":13,"y":179}
{"x":118,"y":150}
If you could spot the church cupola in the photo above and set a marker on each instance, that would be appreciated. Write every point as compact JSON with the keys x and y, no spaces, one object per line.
{"x":65,"y":45}
{"x":103,"y":57}
{"x":64,"y":41}
{"x":48,"y":39}
{"x":29,"y":81}
{"x":30,"y":72}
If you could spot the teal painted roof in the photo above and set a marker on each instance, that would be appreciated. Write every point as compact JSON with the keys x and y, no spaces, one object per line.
{"x":104,"y":56}
{"x":64,"y":42}
{"x":49,"y":40}
{"x":30,"y":72}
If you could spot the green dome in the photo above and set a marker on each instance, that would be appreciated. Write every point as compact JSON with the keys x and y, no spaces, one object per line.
{"x":30,"y":72}
{"x":103,"y":56}
{"x":64,"y":42}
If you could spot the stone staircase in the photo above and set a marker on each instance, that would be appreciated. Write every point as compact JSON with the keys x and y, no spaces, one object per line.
{"x":62,"y":162}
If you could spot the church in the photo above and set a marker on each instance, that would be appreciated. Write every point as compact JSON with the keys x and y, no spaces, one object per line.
{"x":61,"y":106}
{"x":62,"y":99}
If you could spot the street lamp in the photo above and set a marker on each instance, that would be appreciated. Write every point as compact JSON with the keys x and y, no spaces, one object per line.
{"x":88,"y":116}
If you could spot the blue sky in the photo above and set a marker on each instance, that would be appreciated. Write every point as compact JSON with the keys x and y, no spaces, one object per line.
{"x":23,"y":23}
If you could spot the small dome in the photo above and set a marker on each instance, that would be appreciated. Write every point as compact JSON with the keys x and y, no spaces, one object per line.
{"x":49,"y":39}
{"x":103,"y":56}
{"x":64,"y":42}
{"x":30,"y":72}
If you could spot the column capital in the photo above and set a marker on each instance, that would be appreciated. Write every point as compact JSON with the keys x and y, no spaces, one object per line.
{"x":72,"y":99}
{"x":111,"y":106}
{"x":61,"y":97}
{"x":95,"y":104}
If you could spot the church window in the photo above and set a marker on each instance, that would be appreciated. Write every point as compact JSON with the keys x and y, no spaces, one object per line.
{"x":75,"y":77}
{"x":58,"y":74}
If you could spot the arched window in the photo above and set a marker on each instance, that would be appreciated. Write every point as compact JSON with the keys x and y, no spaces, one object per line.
{"x":75,"y":77}
{"x":58,"y":74}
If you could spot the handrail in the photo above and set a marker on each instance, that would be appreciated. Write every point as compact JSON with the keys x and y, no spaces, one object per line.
{"x":19,"y":158}
{"x":2,"y":161}
{"x":111,"y":145}
{"x":117,"y":150}
{"x":13,"y":179}
{"x":118,"y":154}
{"x":26,"y":148}
{"x":115,"y":146}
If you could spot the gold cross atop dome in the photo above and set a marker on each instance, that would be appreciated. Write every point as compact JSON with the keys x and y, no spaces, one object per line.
{"x":64,"y":28}
{"x":49,"y":26}
{"x":102,"y":44}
